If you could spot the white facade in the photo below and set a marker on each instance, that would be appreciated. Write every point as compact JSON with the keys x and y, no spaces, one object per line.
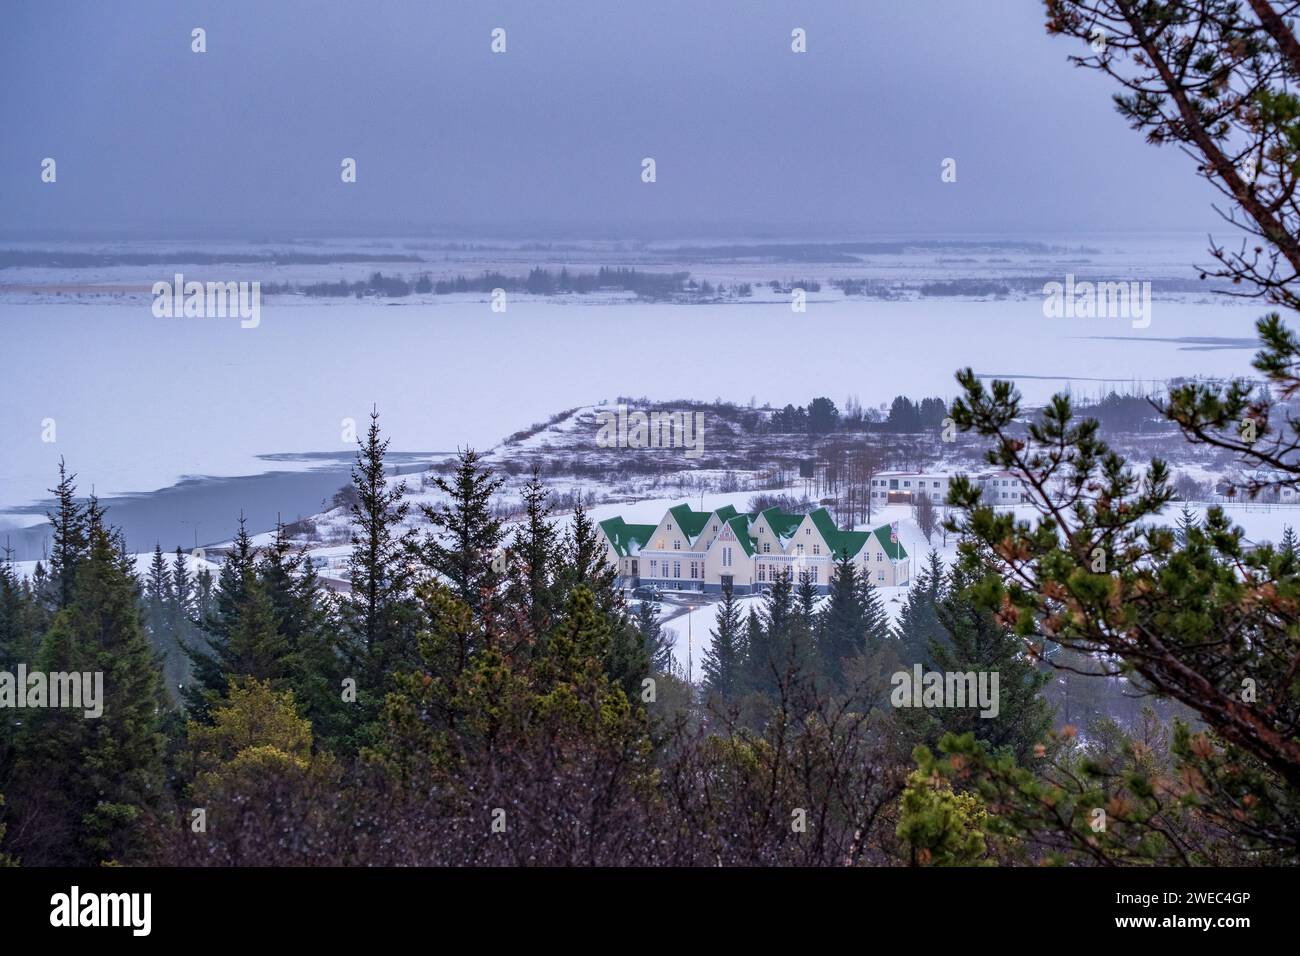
{"x":1000,"y":488}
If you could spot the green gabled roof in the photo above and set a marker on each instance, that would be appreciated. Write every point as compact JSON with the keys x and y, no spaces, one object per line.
{"x":895,"y":551}
{"x":838,"y":541}
{"x":740,"y":525}
{"x":850,"y":542}
{"x":825,"y":525}
{"x":691,"y":522}
{"x":627,"y":539}
{"x":783,"y":525}
{"x":726,"y":512}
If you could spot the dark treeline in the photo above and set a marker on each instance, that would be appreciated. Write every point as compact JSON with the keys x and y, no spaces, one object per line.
{"x":539,"y":281}
{"x":1126,"y":413}
{"x":822,"y":417}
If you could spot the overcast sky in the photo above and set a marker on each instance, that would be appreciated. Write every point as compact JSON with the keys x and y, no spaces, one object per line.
{"x":749,"y":138}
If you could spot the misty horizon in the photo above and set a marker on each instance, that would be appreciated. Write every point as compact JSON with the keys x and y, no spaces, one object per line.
{"x":546,"y":140}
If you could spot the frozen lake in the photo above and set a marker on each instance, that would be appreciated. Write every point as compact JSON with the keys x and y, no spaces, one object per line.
{"x":140,"y":402}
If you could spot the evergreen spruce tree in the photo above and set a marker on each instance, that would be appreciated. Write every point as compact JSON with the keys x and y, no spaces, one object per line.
{"x":159,"y":622}
{"x":806,"y":600}
{"x":182,"y":617}
{"x":1289,"y":545}
{"x":314,"y":661}
{"x":583,"y":565}
{"x":844,"y":625}
{"x":19,"y":636}
{"x":88,"y":783}
{"x":533,"y":560}
{"x":19,"y":642}
{"x":724,"y":658}
{"x":204,"y":603}
{"x":974,"y":641}
{"x":1185,"y":522}
{"x":69,"y":522}
{"x":379,"y":616}
{"x":319,"y":663}
{"x":918,"y":624}
{"x":657,"y":642}
{"x":255,"y":646}
{"x":771,"y":658}
{"x":242,"y":635}
{"x":209,"y":654}
{"x":465,"y":545}
{"x":875,"y":619}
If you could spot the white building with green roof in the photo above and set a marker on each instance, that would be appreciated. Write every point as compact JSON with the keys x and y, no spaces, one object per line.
{"x":691,"y":550}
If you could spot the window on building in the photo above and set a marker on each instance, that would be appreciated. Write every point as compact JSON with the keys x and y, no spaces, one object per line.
{"x":677,"y":569}
{"x":694,"y":572}
{"x":767,"y":547}
{"x":798,"y":548}
{"x":762,"y":572}
{"x":677,"y":544}
{"x":880,"y":556}
{"x":817,"y":549}
{"x":654,"y":568}
{"x":880,"y":575}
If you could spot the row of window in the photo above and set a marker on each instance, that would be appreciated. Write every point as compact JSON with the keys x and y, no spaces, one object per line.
{"x":696,"y":568}
{"x":921,"y":482}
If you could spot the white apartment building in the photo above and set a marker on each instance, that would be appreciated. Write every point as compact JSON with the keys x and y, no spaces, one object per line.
{"x":1000,"y":488}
